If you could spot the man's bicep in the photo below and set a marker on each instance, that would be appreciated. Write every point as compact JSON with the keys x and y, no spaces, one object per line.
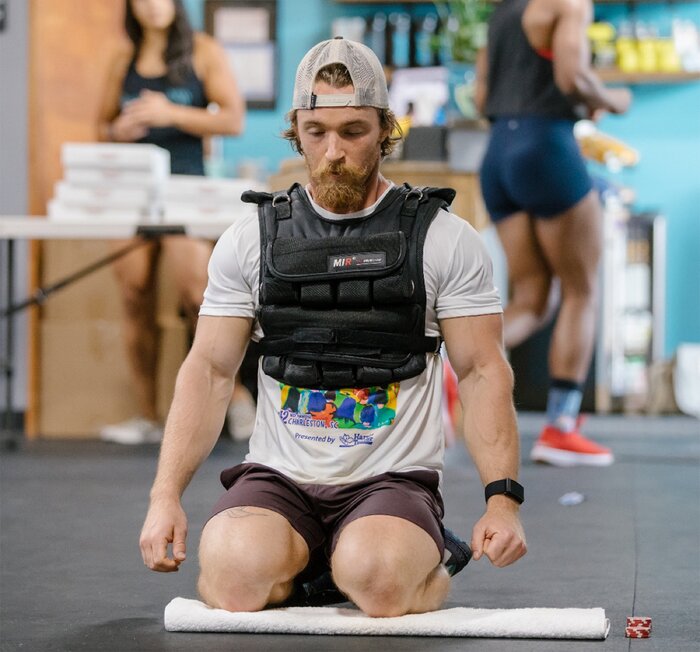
{"x":473,"y":341}
{"x":222,"y":342}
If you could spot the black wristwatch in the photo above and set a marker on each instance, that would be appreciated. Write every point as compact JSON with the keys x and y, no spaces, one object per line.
{"x":507,"y":487}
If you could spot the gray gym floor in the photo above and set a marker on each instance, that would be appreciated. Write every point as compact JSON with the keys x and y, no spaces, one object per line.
{"x":72,"y":577}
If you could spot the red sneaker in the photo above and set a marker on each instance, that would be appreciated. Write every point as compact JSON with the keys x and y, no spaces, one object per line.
{"x":569,"y":449}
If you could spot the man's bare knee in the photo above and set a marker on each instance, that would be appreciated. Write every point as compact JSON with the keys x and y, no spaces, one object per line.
{"x":378,"y":590}
{"x":238,"y":573}
{"x":375,"y":583}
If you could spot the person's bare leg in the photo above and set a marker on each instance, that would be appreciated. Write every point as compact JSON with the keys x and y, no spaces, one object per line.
{"x":135,"y":274}
{"x":389,"y":566}
{"x":572,"y":244}
{"x":529,"y":278}
{"x":187,"y":260}
{"x":249,"y":557}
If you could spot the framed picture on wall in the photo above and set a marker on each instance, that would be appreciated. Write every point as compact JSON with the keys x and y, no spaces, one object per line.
{"x":247,"y":31}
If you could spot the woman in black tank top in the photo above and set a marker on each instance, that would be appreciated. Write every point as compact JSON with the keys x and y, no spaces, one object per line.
{"x":157,"y":92}
{"x":533,"y":81}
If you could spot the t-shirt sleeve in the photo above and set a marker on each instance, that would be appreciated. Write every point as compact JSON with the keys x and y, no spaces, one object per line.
{"x":464,"y":278}
{"x":233,"y":270}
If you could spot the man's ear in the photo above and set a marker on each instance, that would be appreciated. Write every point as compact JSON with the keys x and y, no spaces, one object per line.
{"x":383,"y":135}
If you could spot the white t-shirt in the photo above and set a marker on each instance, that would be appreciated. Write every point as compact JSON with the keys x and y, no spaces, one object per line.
{"x":348,"y":435}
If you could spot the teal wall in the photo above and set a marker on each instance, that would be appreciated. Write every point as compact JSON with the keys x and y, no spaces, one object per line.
{"x":300,"y":24}
{"x":663,"y":124}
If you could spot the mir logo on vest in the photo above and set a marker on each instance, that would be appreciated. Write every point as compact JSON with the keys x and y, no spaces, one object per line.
{"x":367,"y":260}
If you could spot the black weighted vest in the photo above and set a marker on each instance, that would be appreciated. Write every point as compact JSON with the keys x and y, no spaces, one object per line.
{"x":342,"y":304}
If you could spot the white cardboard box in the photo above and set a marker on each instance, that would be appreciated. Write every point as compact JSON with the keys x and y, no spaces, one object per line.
{"x":112,"y":177}
{"x":106,"y":195}
{"x":57,"y":210}
{"x":126,"y":156}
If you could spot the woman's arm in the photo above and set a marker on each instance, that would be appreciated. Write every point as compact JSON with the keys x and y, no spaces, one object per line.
{"x":111,"y":125}
{"x":220,"y":87}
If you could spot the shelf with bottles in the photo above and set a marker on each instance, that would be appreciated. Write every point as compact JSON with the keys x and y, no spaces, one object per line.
{"x":635,"y":51}
{"x":629,"y":52}
{"x":617,"y":76}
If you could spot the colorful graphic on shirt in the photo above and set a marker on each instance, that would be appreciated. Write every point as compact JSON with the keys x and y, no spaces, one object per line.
{"x":366,"y":408}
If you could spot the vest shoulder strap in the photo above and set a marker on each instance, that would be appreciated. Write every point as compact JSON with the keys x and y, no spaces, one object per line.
{"x":447,"y":195}
{"x":255,"y":197}
{"x":261,"y":198}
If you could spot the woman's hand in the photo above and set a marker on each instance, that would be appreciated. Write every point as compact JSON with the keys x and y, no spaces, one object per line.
{"x":126,"y":129}
{"x":151,"y":109}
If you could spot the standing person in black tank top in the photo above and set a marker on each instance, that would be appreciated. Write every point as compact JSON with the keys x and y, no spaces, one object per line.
{"x":158,"y":90}
{"x":534,"y":81}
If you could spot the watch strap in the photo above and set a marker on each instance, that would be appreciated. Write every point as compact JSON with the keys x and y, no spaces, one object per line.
{"x":507,"y":487}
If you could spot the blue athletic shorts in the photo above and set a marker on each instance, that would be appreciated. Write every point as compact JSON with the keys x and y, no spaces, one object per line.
{"x":532,"y":164}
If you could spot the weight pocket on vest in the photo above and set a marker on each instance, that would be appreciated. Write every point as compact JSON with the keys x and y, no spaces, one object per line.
{"x":338,"y":375}
{"x":315,"y":295}
{"x":300,"y":373}
{"x":280,"y":292}
{"x":367,"y":376}
{"x":354,"y":293}
{"x":396,"y":288}
{"x":414,"y":366}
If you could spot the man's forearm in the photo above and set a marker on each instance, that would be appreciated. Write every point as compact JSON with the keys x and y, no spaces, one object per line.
{"x":193,"y":426}
{"x":490,"y":425}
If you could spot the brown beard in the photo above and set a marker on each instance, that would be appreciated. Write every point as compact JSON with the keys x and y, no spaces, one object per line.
{"x":345,"y":193}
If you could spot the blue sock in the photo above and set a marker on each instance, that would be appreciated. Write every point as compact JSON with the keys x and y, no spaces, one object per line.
{"x":563,"y":404}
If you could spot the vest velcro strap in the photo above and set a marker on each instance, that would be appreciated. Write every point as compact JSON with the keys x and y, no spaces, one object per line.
{"x":312,"y":337}
{"x":353,"y":359}
{"x":390,"y":341}
{"x":309,"y":260}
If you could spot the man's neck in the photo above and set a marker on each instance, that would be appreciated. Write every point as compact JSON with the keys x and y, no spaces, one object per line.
{"x":375,"y":187}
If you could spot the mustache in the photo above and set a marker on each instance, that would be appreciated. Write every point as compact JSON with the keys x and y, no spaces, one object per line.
{"x":350,"y":173}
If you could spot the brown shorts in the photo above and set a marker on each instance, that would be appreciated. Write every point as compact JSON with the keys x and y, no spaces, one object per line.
{"x":319,"y":512}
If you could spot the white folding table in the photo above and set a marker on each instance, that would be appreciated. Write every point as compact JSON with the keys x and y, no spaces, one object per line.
{"x":25,"y":227}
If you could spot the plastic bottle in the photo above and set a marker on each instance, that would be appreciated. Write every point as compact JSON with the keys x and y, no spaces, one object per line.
{"x":425,"y":34}
{"x":401,"y":39}
{"x":377,"y":37}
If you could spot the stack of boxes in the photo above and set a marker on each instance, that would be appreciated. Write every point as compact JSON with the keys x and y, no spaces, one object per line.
{"x":122,"y":182}
{"x":85,"y":381}
{"x":84,"y":376}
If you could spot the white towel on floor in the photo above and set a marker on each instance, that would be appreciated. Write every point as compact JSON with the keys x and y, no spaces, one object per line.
{"x":184,"y":615}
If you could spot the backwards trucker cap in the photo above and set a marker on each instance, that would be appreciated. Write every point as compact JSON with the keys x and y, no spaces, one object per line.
{"x":365,"y":71}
